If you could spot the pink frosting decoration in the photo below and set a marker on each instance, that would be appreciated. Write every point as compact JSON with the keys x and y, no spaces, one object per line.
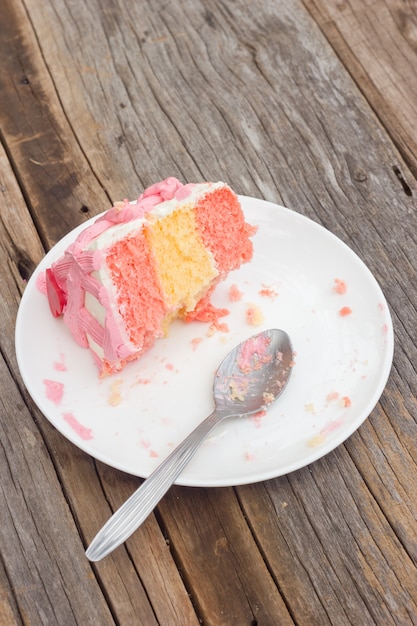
{"x":183,"y":192}
{"x":72,"y":272}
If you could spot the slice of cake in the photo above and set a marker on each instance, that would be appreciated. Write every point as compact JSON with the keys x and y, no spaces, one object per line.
{"x":145,"y":263}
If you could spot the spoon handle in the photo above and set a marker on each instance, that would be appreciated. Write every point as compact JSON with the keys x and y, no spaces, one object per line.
{"x":142,"y":502}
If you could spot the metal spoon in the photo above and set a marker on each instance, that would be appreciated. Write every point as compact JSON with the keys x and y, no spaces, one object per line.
{"x":248,"y":380}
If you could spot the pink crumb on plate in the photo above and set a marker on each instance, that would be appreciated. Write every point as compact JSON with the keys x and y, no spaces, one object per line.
{"x":146,"y":445}
{"x":333,"y":395}
{"x":254,"y":315}
{"x":82,"y":431}
{"x":235,"y":294}
{"x":216,"y":326}
{"x":196,"y":342}
{"x":346,"y":401}
{"x":268,"y":292}
{"x":344,"y":311}
{"x":223,"y":327}
{"x":54,"y":390}
{"x":332,"y":426}
{"x":340,"y":286}
{"x":320,"y":438}
{"x":256,"y":418}
{"x":60,"y":365}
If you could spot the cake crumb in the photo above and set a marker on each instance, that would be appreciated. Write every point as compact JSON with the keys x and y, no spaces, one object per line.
{"x":236,"y":392}
{"x":333,"y":395}
{"x":146,"y":445}
{"x":196,"y":342}
{"x":254,"y":315}
{"x":346,"y":310}
{"x":310,"y":408}
{"x":253,"y":354}
{"x":345,"y":401}
{"x":268,"y":397}
{"x":60,"y":365}
{"x":217,"y":327}
{"x":315,"y":441}
{"x":205,"y":311}
{"x":115,"y":395}
{"x":268,"y":292}
{"x":257,"y":418}
{"x":331,"y":426}
{"x":235,"y":294}
{"x":340,"y":286}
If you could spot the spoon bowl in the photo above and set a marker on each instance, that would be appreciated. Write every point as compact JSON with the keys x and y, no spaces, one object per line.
{"x":254,"y":373}
{"x":249,"y":379}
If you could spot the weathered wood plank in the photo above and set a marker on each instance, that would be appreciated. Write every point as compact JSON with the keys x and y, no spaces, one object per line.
{"x":150,"y":552}
{"x":41,"y":550}
{"x":377,"y":42}
{"x":48,"y":575}
{"x":251,"y":93}
{"x":57,"y":181}
{"x":218,"y":558}
{"x":134,"y":587}
{"x":9,"y":613}
{"x":385,"y":453}
{"x":367,"y":578}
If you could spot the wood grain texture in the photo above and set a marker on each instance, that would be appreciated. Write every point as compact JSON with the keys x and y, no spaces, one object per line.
{"x":329,"y":504}
{"x":377,"y":42}
{"x":41,"y":551}
{"x":239,"y":589}
{"x":57,"y":182}
{"x":98,"y":100}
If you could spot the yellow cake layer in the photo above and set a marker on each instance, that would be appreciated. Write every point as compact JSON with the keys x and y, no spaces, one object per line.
{"x":184,"y":266}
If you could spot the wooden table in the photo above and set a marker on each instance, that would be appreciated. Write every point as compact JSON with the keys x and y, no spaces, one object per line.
{"x":309,"y":104}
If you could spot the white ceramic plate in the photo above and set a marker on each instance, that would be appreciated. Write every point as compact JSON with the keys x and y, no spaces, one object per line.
{"x":132,"y":420}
